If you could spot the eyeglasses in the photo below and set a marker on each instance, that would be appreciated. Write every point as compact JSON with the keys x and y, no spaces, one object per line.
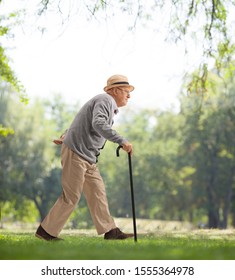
{"x":124,"y":90}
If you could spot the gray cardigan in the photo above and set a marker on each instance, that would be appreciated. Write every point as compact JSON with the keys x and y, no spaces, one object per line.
{"x":92,"y":126}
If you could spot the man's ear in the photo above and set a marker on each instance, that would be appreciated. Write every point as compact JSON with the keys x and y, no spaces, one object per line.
{"x":115,"y":91}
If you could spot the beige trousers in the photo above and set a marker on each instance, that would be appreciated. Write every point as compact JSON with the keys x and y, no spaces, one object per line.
{"x":79,"y":176}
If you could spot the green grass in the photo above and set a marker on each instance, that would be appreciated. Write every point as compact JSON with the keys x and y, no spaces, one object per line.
{"x":194,"y":245}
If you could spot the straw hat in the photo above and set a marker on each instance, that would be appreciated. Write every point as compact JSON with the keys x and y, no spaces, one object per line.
{"x":117,"y":81}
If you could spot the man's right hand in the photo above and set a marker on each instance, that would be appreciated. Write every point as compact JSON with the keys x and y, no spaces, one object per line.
{"x":127,"y":147}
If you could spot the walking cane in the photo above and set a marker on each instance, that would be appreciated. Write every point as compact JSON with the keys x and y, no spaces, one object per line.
{"x":132,"y":192}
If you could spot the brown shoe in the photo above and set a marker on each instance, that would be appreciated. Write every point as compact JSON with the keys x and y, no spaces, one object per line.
{"x":116,"y":233}
{"x":42,"y":234}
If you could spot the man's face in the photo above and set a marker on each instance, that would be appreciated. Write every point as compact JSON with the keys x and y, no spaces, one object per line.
{"x":121,"y":96}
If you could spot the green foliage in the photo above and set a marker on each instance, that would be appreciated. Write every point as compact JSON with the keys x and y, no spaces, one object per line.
{"x":12,"y":211}
{"x":80,"y":218}
{"x":5,"y":131}
{"x":209,"y":146}
{"x":7,"y":73}
{"x":29,"y":166}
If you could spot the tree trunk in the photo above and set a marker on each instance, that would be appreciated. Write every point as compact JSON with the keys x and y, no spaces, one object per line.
{"x":213,"y":205}
{"x":228,"y":199}
{"x":213,"y":218}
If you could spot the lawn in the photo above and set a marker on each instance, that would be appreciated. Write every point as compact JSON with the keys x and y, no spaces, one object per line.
{"x":161,"y":245}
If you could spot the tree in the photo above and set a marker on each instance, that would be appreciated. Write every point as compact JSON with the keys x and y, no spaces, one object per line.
{"x":209,"y":147}
{"x":7,"y":74}
{"x":29,"y":166}
{"x":159,"y":181}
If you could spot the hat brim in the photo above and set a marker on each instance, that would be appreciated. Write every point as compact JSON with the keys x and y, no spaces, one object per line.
{"x":131,"y":88}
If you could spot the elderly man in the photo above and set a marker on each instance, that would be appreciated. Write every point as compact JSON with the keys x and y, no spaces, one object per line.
{"x":81,"y":147}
